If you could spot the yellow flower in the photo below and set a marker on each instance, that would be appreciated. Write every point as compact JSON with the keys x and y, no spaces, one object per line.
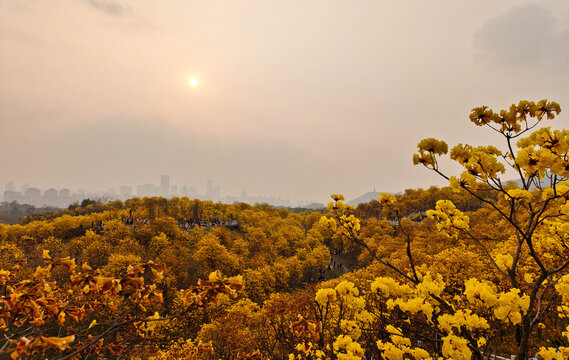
{"x":323,"y":296}
{"x":60,"y":343}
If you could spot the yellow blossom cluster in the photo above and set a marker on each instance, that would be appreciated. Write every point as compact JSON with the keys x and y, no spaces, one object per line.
{"x":511,"y":306}
{"x":338,"y":205}
{"x":560,"y":190}
{"x":394,"y":352}
{"x":307,"y":350}
{"x":400,"y":346}
{"x":449,"y":219}
{"x":346,"y":348}
{"x":351,"y":328}
{"x":537,"y":162}
{"x":344,"y":306}
{"x":325,"y":296}
{"x":412,"y":300}
{"x":544,"y":152}
{"x":481,"y":162}
{"x":390,"y":287}
{"x":428,"y":148}
{"x":342,"y":217}
{"x":556,"y":141}
{"x":561,"y":353}
{"x":504,"y":261}
{"x":518,"y":194}
{"x":510,"y":121}
{"x":480,"y":293}
{"x":456,"y":348}
{"x":328,"y":223}
{"x":508,"y":305}
{"x":36,"y":301}
{"x":386,"y":199}
{"x":562,"y":288}
{"x":430,"y":286}
{"x":351,"y":223}
{"x":413,"y":306}
{"x":466,"y":180}
{"x":553,"y":240}
{"x":450,"y":322}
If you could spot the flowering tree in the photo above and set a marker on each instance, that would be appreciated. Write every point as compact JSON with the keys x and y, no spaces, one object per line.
{"x":529,"y":286}
{"x":62,"y":311}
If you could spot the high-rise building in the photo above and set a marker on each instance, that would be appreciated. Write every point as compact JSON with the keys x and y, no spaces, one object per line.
{"x":126,"y":192}
{"x":64,"y":197}
{"x":165,"y":185}
{"x":209,"y":189}
{"x":10,"y":196}
{"x":213,"y":192}
{"x":51,"y":197}
{"x":145,"y":190}
{"x":9,"y":186}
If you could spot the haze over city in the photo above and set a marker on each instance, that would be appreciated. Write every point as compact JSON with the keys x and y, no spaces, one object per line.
{"x":293,"y":99}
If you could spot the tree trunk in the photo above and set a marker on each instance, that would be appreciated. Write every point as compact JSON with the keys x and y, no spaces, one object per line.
{"x":523,"y":346}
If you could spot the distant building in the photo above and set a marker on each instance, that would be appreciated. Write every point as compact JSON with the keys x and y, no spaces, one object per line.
{"x":165,"y":185}
{"x":10,"y":195}
{"x":145,"y":190}
{"x":126,"y":192}
{"x":64,"y":193}
{"x":174,"y":190}
{"x":212,"y":192}
{"x":9,"y":186}
{"x":32,"y":196}
{"x":51,"y":197}
{"x":65,"y":197}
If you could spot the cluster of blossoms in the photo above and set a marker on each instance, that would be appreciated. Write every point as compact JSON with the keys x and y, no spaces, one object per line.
{"x":449,"y":219}
{"x":428,"y":148}
{"x":208,"y":290}
{"x":510,"y":121}
{"x":308,"y":332}
{"x":343,"y":217}
{"x":422,"y":299}
{"x":518,"y":194}
{"x":344,"y":305}
{"x":544,"y":152}
{"x":346,"y":348}
{"x":509,"y":305}
{"x":32,"y":306}
{"x":480,"y":162}
{"x":184,"y":349}
{"x":417,"y":299}
{"x":400,"y":346}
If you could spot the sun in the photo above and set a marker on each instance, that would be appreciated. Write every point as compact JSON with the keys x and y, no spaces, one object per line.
{"x":193,"y":82}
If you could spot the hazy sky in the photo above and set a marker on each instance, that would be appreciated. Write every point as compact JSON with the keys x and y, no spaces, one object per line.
{"x":295,"y":98}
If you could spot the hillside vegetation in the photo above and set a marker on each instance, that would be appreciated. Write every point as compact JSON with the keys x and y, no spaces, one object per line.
{"x":479,"y":267}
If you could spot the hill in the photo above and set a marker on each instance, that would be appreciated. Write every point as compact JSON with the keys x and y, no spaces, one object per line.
{"x":365,"y":198}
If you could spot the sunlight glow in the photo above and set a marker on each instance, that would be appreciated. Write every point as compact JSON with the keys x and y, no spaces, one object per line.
{"x":193,"y":82}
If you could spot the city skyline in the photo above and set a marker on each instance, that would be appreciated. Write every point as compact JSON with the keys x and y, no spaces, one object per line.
{"x":63,"y":197}
{"x":300,"y":99}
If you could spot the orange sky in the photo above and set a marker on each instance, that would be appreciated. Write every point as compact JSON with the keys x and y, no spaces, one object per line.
{"x":296,"y":98}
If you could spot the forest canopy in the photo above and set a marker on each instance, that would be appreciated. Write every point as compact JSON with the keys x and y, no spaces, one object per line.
{"x":479,"y":267}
